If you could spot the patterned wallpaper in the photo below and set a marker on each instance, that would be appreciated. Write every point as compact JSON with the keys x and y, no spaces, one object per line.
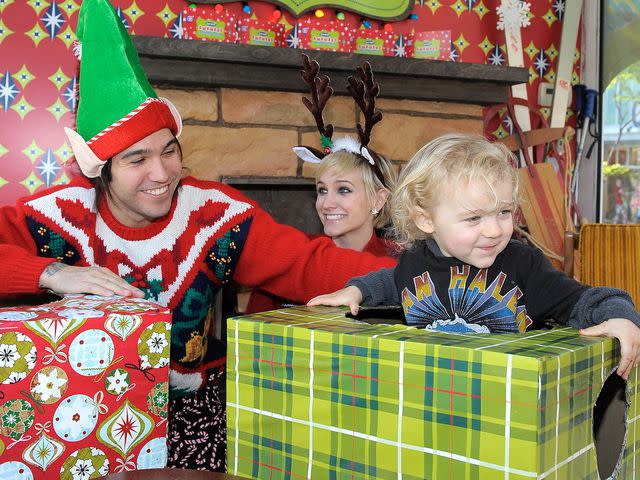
{"x":38,"y":68}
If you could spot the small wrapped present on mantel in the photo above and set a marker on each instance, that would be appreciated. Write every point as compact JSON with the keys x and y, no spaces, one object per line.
{"x":433,"y":45}
{"x":329,"y":35}
{"x":373,"y":42}
{"x":261,"y":32}
{"x":205,"y":23}
{"x":313,"y":394}
{"x":83,"y":387}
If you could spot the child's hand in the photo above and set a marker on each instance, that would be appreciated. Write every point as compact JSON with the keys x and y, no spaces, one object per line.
{"x":629,"y":336}
{"x":350,"y":296}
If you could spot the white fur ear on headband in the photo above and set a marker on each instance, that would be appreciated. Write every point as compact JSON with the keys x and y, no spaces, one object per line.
{"x":89,"y":163}
{"x":348,"y":144}
{"x":365,"y":153}
{"x":306,"y":155}
{"x":176,"y":114}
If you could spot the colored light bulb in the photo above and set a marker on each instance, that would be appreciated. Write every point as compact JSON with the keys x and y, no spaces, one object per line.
{"x":388,"y":27}
{"x":246,"y":8}
{"x":319,"y":13}
{"x":366,"y":23}
{"x":413,"y":16}
{"x":340,"y":16}
{"x":276,"y":15}
{"x":218,"y":8}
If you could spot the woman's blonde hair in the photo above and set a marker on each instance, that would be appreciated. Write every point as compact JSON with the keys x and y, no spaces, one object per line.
{"x":343,"y":162}
{"x":446,"y":162}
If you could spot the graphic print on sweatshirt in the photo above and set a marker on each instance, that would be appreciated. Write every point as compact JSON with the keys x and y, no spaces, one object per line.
{"x":468,"y":305}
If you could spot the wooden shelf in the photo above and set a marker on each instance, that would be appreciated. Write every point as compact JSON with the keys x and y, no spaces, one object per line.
{"x":196,"y":64}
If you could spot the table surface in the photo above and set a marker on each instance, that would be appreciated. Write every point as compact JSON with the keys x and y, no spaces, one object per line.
{"x":171,"y":474}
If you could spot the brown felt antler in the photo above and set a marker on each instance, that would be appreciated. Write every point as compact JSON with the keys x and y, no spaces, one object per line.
{"x":364,"y":91}
{"x":320,"y":93}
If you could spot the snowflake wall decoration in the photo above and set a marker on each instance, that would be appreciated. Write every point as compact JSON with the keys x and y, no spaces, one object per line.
{"x":513,"y":14}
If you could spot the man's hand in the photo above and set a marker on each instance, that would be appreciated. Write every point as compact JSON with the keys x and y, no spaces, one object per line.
{"x":629,"y":336}
{"x":350,"y":296}
{"x":62,"y":279}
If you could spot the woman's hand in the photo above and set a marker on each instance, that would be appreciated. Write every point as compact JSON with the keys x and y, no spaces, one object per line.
{"x":629,"y":336}
{"x":350,"y":296}
{"x":62,"y":279}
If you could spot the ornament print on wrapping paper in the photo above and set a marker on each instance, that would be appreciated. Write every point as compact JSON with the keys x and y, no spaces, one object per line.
{"x":45,"y":450}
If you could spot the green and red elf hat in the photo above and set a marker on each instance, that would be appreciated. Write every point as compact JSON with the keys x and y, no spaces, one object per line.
{"x":117,"y":106}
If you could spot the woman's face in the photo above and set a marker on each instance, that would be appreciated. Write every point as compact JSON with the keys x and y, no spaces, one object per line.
{"x":343,"y":207}
{"x":144,"y":179}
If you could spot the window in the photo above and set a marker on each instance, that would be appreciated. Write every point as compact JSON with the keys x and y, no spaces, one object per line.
{"x":620,"y":154}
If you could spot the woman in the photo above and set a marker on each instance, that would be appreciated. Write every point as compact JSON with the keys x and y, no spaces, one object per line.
{"x":352,"y":205}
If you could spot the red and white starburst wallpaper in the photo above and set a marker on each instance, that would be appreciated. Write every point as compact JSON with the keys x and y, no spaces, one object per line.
{"x":38,"y":68}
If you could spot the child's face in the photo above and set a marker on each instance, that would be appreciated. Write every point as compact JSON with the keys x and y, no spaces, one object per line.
{"x":469,"y":224}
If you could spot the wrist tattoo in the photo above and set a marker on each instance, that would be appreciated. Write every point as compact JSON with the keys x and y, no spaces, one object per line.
{"x":50,"y":270}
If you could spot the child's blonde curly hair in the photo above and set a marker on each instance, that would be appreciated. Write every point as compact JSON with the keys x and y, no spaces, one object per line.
{"x":437,"y":169}
{"x":343,"y":162}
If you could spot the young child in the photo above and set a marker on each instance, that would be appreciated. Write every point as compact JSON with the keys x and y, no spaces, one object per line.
{"x":460,"y":271}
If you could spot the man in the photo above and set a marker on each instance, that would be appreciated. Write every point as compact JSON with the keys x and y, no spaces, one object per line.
{"x":132,"y":225}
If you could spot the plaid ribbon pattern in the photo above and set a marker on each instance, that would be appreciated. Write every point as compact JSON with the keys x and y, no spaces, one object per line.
{"x":312,"y":394}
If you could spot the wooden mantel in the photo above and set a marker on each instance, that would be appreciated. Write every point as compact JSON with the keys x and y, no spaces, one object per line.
{"x":197,"y":64}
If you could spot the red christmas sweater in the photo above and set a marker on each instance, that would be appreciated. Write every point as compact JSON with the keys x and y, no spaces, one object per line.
{"x":261,"y":301}
{"x":211,"y":235}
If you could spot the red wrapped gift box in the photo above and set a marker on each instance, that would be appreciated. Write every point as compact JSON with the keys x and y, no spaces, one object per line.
{"x":204,"y":23}
{"x":83,"y":388}
{"x":435,"y":45}
{"x":374,"y":42}
{"x":325,"y":35}
{"x":260,"y":32}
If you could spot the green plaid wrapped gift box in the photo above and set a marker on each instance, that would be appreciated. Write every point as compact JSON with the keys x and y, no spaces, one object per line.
{"x":312,"y":394}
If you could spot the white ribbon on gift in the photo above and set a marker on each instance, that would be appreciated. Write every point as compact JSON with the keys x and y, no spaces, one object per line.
{"x":58,"y":355}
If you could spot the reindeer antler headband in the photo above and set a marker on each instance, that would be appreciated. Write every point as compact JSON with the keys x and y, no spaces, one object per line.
{"x":364,"y":91}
